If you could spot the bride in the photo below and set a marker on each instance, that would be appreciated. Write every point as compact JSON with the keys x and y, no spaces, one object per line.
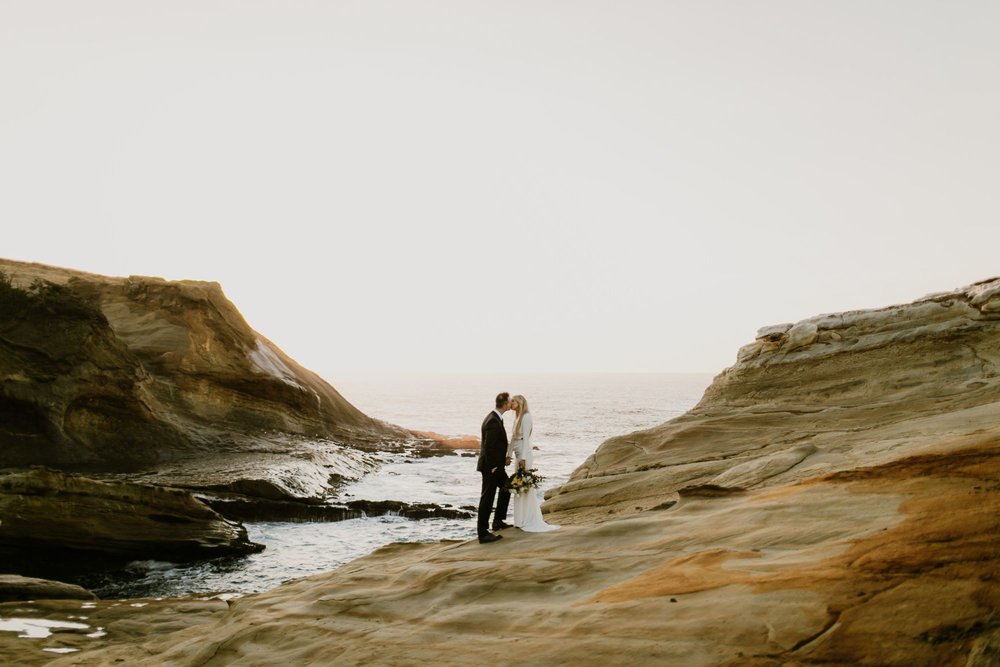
{"x":527,"y":511}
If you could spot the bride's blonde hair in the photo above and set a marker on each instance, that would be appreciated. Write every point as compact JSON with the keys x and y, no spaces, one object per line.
{"x":520,"y":411}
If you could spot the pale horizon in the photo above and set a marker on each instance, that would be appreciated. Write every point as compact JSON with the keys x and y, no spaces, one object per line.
{"x":473,"y":187}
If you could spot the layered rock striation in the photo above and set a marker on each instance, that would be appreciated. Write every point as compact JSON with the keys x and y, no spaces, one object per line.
{"x":49,"y":515}
{"x":888,"y":565}
{"x":829,"y":393}
{"x":834,"y":499}
{"x":165,"y":378}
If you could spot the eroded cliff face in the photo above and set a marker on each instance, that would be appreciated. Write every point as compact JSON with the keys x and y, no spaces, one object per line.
{"x":142,"y":374}
{"x":833,"y":500}
{"x":830,"y":393}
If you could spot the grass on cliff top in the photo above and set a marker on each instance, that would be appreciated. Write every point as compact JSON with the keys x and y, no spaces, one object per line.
{"x":43,"y":299}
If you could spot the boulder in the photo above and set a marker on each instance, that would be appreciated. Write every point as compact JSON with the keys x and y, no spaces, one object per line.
{"x":801,"y":335}
{"x":14,"y":588}
{"x":774,"y":332}
{"x":277,"y":510}
{"x":50,"y":514}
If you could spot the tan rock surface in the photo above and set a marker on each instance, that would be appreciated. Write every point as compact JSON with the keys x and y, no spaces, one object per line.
{"x":872,"y":386}
{"x":85,"y":626}
{"x":835,"y":502}
{"x":892,"y":565}
{"x":166,"y":378}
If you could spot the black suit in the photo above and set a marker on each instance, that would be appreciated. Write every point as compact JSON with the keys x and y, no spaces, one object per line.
{"x":492,"y":458}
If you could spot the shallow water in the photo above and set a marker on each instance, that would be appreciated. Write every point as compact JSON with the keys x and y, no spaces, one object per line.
{"x":573,"y":414}
{"x":37,"y":628}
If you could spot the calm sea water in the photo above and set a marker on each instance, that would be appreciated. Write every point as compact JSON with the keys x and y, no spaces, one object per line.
{"x":573,"y":414}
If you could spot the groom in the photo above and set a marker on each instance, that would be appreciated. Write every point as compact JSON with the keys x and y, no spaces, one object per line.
{"x":492,"y":459}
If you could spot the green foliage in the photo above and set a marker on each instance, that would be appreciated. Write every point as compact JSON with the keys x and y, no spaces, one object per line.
{"x":43,"y":299}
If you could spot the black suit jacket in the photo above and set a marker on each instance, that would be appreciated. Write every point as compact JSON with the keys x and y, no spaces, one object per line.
{"x":493,"y":446}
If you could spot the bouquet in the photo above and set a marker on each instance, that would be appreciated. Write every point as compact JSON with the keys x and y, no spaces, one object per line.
{"x":523,"y":480}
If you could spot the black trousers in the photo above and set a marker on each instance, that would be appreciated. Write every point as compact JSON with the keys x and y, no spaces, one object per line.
{"x":492,"y":482}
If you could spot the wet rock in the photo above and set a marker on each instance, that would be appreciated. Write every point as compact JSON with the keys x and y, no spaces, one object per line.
{"x":77,"y":627}
{"x":14,"y":587}
{"x":409,"y":510}
{"x":245,"y":509}
{"x":253,"y":509}
{"x":284,"y":468}
{"x":435,"y":444}
{"x":51,"y":514}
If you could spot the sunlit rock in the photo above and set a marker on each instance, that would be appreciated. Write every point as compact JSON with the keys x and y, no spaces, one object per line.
{"x":854,"y":386}
{"x":165,"y":378}
{"x":801,"y":335}
{"x":832,"y":500}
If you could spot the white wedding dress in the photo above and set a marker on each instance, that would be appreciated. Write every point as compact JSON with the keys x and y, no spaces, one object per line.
{"x":527,"y":508}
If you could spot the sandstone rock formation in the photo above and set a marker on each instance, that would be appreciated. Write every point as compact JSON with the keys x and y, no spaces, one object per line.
{"x":48,"y":515}
{"x":74,"y":625}
{"x":168,"y":380}
{"x":15,"y":588}
{"x":834,"y":499}
{"x":890,"y":565}
{"x":830,"y":393}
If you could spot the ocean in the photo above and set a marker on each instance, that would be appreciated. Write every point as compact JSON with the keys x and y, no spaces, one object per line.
{"x":573,"y":414}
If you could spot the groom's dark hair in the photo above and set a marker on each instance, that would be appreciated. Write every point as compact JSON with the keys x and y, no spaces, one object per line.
{"x":502,"y":398}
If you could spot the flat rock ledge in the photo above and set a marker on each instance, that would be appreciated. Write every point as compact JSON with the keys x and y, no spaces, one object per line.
{"x":246,"y":509}
{"x":941,"y":314}
{"x":48,"y":513}
{"x":14,"y":588}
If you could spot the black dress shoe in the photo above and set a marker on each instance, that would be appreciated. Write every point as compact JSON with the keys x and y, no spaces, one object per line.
{"x":501,"y":526}
{"x":489,"y":537}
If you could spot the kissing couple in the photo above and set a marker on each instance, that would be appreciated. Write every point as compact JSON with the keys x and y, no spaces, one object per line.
{"x":495,"y":454}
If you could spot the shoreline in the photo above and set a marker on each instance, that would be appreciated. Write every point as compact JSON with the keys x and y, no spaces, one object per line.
{"x":816,"y":505}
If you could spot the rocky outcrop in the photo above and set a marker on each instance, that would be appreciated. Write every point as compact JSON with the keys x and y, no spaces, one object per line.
{"x":890,"y":565}
{"x":45,"y":515}
{"x":145,"y":375}
{"x":833,"y":500}
{"x":14,"y":588}
{"x":282,"y":510}
{"x":830,"y":393}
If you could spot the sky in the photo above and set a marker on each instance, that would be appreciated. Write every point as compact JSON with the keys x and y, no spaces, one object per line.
{"x":513,"y":186}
